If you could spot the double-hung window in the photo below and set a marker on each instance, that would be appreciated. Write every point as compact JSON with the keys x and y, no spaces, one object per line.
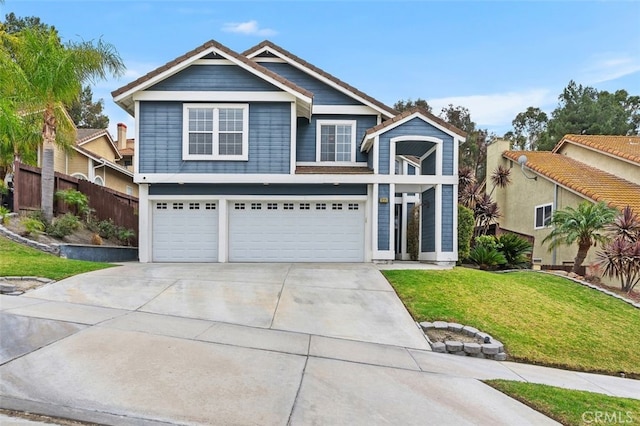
{"x":336,"y":140}
{"x":215,"y":132}
{"x":543,"y":216}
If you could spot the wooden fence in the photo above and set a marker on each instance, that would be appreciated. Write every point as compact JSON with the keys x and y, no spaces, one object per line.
{"x":107,"y":203}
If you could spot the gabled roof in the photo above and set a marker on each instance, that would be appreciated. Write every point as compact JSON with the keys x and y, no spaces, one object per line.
{"x":407,"y":115}
{"x":272,"y":48}
{"x":624,"y":147}
{"x":84,"y":136}
{"x":123,"y":94}
{"x":102,"y":160}
{"x":590,"y":182}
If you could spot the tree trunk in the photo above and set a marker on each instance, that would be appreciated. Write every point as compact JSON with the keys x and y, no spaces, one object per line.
{"x":48,"y":145}
{"x":583,"y":248}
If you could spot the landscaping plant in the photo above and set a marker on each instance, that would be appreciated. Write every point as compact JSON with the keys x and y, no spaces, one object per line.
{"x":621,"y":256}
{"x":74,"y":199}
{"x":515,"y":250}
{"x":33,"y":225}
{"x":465,"y":232}
{"x":63,"y":225}
{"x":413,"y":233}
{"x":4,"y":215}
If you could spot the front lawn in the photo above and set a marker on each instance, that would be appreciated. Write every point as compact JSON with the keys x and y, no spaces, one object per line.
{"x":572,"y":407}
{"x":540,"y":318}
{"x":19,"y":260}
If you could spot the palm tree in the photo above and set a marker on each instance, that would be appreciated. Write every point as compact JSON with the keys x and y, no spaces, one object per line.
{"x":584,"y":225}
{"x":49,"y":74}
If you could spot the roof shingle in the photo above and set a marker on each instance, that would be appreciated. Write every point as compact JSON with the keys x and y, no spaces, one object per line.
{"x":408,"y":113}
{"x":626,"y":147}
{"x":589,"y":181}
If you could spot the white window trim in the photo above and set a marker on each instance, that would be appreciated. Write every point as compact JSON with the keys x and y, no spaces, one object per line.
{"x":354,"y":126}
{"x":98,"y":179}
{"x":215,"y":155}
{"x":535,"y":215}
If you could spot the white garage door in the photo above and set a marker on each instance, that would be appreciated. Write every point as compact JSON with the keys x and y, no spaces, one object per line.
{"x":277,"y":231}
{"x":185,"y":231}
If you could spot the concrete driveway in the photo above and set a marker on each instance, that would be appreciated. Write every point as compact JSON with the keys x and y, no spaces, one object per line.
{"x":268,"y":344}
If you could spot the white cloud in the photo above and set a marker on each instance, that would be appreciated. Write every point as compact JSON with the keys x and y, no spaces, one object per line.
{"x":609,"y":67}
{"x":248,"y":28}
{"x":496,"y":110}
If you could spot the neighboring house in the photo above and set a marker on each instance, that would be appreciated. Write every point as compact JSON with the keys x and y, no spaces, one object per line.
{"x":580,"y":167}
{"x":93,"y":157}
{"x":126,"y":148}
{"x":262,"y":156}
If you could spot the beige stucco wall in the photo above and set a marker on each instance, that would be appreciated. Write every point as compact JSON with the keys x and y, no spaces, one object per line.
{"x":77,"y":163}
{"x":117,"y":181}
{"x":607,"y":163}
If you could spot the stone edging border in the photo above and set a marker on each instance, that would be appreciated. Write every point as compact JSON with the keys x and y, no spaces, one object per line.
{"x":491,"y":349}
{"x":12,"y":290}
{"x":53,"y":249}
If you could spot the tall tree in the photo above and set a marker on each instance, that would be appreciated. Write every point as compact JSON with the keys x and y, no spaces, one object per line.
{"x":86,"y":113}
{"x":403,"y":105}
{"x":528,"y":127}
{"x":49,"y":75}
{"x":13,"y":24}
{"x":584,"y":225}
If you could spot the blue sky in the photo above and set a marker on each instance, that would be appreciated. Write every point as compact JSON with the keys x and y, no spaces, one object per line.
{"x":494,"y":57}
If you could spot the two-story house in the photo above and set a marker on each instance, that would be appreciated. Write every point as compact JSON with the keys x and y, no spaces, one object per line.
{"x":263,"y":157}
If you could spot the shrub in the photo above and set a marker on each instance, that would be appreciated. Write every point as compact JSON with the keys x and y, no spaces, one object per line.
{"x":75,"y":199}
{"x":413,"y":233}
{"x":4,"y":215}
{"x":125,"y":235}
{"x":487,"y":258}
{"x":621,"y":257}
{"x":515,"y":250}
{"x":33,"y":225}
{"x":64,"y":225}
{"x":465,"y":231}
{"x":106,"y":228}
{"x":487,"y":241}
{"x":96,"y":240}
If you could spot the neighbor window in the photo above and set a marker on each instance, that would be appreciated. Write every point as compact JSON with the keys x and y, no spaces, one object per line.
{"x":336,"y":140}
{"x":215,"y":132}
{"x":543,"y":216}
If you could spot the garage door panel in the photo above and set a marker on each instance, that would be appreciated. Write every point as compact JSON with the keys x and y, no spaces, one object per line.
{"x":185,"y":231}
{"x":296,"y":232}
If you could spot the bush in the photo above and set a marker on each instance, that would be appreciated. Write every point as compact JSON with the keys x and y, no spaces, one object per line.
{"x":487,"y":258}
{"x":106,"y":229}
{"x":33,"y":225}
{"x":4,"y":215}
{"x":487,"y":241}
{"x":515,"y":250}
{"x":74,"y":199}
{"x":125,"y":235}
{"x":413,"y":233}
{"x":64,"y":225}
{"x":465,"y":231}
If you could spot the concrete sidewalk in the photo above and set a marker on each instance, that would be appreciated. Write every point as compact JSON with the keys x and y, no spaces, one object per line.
{"x":247,"y":344}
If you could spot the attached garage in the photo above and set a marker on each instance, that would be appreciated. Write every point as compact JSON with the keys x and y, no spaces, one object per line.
{"x":296,"y":231}
{"x":185,"y":231}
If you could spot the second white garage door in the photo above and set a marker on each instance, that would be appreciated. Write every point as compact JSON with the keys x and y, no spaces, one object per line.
{"x":277,"y":231}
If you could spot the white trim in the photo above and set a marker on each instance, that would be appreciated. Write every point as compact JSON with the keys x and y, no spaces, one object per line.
{"x":321,"y":78}
{"x":223,"y":230}
{"x":213,"y":96}
{"x":91,"y":171}
{"x":299,"y":178}
{"x":374,"y":220}
{"x":212,"y":62}
{"x":456,"y":147}
{"x":368,"y":225}
{"x":535,"y":214}
{"x":102,"y":162}
{"x":455,"y":219}
{"x":274,"y":60}
{"x":376,"y":157}
{"x":343,"y":109}
{"x":136,"y":153}
{"x":368,"y":139}
{"x":294,"y":140}
{"x":234,"y":197}
{"x":444,"y":257}
{"x":95,"y":180}
{"x":415,"y":164}
{"x":438,"y":147}
{"x":332,"y":164}
{"x":215,"y":155}
{"x":185,"y":63}
{"x":79,"y":175}
{"x":391,"y":206}
{"x":384,"y":255}
{"x":438,"y":220}
{"x":106,"y":134}
{"x":145,"y":224}
{"x":354,"y":129}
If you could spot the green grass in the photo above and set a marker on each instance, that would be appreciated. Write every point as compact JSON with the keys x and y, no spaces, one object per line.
{"x":541,"y":319}
{"x":19,"y":260}
{"x":572,"y":407}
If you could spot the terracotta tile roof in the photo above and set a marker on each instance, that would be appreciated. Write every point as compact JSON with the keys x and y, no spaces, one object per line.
{"x":591,"y":182}
{"x":332,"y":170}
{"x":627,"y":147}
{"x":199,"y":50}
{"x":411,"y":111}
{"x":269,"y":44}
{"x":126,"y":151}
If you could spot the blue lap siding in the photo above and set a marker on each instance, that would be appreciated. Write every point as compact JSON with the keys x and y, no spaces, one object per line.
{"x":447,"y":217}
{"x":208,"y":189}
{"x":160,"y":141}
{"x":428,"y":221}
{"x":384,"y":212}
{"x":214,"y":78}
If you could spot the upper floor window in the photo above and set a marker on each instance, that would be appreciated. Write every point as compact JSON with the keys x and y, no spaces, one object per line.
{"x":215,"y":132}
{"x":336,"y":140}
{"x":543,"y":216}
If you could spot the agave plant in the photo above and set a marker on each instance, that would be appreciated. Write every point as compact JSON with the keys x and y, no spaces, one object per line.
{"x":486,"y":212}
{"x":626,"y":225}
{"x":500,"y":178}
{"x":515,"y":249}
{"x":621,"y":258}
